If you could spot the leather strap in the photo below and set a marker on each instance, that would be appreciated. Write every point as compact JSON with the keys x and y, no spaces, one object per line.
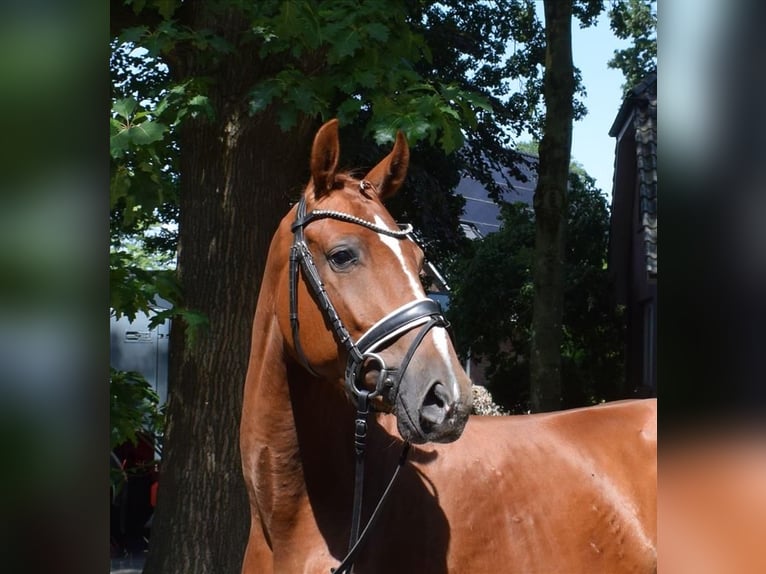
{"x":422,"y":312}
{"x":347,"y":564}
{"x":397,"y":322}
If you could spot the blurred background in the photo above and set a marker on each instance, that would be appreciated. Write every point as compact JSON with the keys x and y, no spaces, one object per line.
{"x":53,"y":281}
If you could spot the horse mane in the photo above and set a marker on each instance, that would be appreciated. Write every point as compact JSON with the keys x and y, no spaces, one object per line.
{"x":350,"y":177}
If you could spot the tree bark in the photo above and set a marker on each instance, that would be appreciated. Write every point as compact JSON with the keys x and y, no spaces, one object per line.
{"x":550,"y":203}
{"x":238,"y":175}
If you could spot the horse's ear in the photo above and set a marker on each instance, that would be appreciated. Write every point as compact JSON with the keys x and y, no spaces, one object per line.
{"x":324,"y":157}
{"x":389,"y":174}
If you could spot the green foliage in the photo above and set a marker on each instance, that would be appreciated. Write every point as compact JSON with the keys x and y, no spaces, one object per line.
{"x":134,"y":412}
{"x":441,"y":72}
{"x":364,"y":63}
{"x":131,"y":288}
{"x":529,"y":147}
{"x":491,"y":306}
{"x":142,"y":151}
{"x":147,"y":110}
{"x":635,"y":20}
{"x":358,"y":61}
{"x":587,"y":11}
{"x":592,"y":349}
{"x":133,"y":407}
{"x":134,"y":289}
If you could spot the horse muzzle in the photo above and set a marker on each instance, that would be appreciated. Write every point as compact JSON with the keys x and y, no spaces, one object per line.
{"x":437,"y":412}
{"x":428,"y":389}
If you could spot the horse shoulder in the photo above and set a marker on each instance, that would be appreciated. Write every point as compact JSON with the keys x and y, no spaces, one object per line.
{"x":532,"y":477}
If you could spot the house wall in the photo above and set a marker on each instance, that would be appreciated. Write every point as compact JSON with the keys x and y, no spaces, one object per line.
{"x":635,"y":287}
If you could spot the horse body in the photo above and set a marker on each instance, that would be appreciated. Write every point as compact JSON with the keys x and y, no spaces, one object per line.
{"x":571,"y":491}
{"x":560,"y":492}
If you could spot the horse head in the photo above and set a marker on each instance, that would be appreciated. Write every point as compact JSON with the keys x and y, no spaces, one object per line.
{"x":357,"y":314}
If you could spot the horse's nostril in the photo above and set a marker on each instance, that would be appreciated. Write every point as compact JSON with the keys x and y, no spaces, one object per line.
{"x":436,"y":406}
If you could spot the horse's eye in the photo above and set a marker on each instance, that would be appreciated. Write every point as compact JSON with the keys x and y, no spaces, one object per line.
{"x":341,"y":258}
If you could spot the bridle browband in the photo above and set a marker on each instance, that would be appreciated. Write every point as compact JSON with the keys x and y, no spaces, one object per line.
{"x":424,"y":313}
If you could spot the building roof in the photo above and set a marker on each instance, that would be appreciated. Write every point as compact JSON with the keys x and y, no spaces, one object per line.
{"x":639,"y":93}
{"x":637,"y":118}
{"x":481,"y":215}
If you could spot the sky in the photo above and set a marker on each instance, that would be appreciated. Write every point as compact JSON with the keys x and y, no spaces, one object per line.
{"x":592,"y":147}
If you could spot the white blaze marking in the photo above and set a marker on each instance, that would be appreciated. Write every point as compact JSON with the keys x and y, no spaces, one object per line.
{"x":441,"y":342}
{"x":439,"y":334}
{"x":393,"y":244}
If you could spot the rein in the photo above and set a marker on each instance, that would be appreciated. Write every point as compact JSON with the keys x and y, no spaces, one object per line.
{"x":423,"y":313}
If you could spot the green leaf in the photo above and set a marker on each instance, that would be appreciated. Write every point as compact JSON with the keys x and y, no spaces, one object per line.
{"x":262,"y":95}
{"x":346,"y":45}
{"x":304,"y":97}
{"x":287,"y":117}
{"x":377,"y":31}
{"x":201,"y":105}
{"x":133,"y":35}
{"x":119,"y":187}
{"x":349,"y":110}
{"x":196,"y":324}
{"x":119,"y":143}
{"x":451,"y":140}
{"x":365,"y":78}
{"x":385,"y":136}
{"x":125,"y":107}
{"x":115,"y":126}
{"x":168,"y":287}
{"x":200,"y":101}
{"x":147,"y":132}
{"x":160,"y":317}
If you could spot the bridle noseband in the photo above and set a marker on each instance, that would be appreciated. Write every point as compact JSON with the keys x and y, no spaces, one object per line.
{"x":421,"y":312}
{"x":424,"y":313}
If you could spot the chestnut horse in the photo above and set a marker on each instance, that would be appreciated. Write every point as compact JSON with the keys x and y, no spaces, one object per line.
{"x":343,"y":327}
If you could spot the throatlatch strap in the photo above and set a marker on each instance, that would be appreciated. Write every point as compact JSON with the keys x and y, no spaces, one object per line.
{"x":421,"y":312}
{"x":360,"y":445}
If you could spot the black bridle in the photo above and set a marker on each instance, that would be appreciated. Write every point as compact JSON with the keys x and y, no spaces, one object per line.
{"x":423,"y":313}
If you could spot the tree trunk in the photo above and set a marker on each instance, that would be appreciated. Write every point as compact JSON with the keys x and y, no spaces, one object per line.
{"x":238,"y":175}
{"x":550,"y":203}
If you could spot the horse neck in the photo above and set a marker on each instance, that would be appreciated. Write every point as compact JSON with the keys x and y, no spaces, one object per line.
{"x":297,"y":432}
{"x":303,"y":449}
{"x":323,"y":418}
{"x":296,"y":428}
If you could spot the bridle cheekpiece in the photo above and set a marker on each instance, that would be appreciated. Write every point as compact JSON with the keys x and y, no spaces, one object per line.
{"x":420,"y":312}
{"x":424,"y":313}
